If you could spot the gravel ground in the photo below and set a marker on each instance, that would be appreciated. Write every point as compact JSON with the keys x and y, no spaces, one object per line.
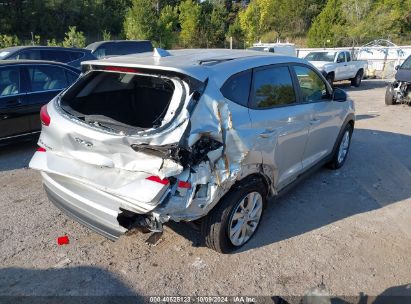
{"x":350,"y":228}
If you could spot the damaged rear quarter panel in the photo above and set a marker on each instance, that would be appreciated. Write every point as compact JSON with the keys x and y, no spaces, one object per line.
{"x":220,"y":119}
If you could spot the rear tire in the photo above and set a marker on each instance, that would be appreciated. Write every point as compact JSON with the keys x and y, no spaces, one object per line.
{"x":342,"y":148}
{"x":356,"y":81}
{"x":389,"y":95}
{"x":219,"y":226}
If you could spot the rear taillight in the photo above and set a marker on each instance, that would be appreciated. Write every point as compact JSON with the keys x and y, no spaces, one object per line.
{"x":44,"y":116}
{"x":182,"y":188}
{"x":41,"y":149}
{"x":120,"y":69}
{"x":184,"y":185}
{"x":157,"y":179}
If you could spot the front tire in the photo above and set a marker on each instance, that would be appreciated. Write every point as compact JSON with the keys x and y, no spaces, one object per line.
{"x":341,"y":151}
{"x":235,"y":219}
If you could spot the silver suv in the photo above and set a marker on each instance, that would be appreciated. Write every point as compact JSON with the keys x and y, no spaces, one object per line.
{"x":190,"y":135}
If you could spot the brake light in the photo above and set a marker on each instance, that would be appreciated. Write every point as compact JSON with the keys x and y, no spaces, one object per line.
{"x":157,"y":179}
{"x":120,"y":69}
{"x":41,"y":149}
{"x":44,"y":116}
{"x":185,"y":185}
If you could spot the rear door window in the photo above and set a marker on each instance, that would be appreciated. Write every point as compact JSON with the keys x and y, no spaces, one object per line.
{"x":272,"y":86}
{"x":71,"y":77}
{"x":47,"y":78}
{"x":75,"y":55}
{"x":312,"y":87}
{"x":54,"y":55}
{"x":9,"y":81}
{"x":28,"y":54}
{"x":237,"y":88}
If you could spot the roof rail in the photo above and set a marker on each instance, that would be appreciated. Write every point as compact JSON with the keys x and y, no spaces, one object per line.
{"x":215,"y":60}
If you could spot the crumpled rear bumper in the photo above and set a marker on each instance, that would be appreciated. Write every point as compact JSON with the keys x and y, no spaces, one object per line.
{"x":92,"y":208}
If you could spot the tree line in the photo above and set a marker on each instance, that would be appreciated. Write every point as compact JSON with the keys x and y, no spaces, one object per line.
{"x":208,"y":23}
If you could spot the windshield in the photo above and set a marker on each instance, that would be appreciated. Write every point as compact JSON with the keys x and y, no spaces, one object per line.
{"x":407,"y":64}
{"x":3,"y":54}
{"x":321,"y":56}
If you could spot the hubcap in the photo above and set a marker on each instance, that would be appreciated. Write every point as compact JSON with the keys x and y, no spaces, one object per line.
{"x":344,"y":145}
{"x":245,"y":218}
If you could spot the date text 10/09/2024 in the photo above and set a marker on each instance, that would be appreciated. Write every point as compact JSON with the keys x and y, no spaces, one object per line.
{"x":202,"y":299}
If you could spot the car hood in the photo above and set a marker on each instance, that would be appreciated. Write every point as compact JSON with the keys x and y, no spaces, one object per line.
{"x":403,"y":75}
{"x":319,"y":64}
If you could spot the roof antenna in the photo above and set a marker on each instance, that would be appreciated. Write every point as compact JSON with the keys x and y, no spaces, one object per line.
{"x":159,"y":53}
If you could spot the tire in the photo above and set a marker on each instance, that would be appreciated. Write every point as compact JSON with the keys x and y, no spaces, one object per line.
{"x":330,"y":78}
{"x":342,"y":148}
{"x":389,"y":96}
{"x":356,"y":81}
{"x":218,"y":224}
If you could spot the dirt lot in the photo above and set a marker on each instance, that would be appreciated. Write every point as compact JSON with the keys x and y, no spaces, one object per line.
{"x":352,"y":227}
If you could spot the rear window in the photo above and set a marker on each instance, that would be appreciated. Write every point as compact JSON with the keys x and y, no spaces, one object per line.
{"x":237,"y":88}
{"x":119,"y":99}
{"x":122,"y":48}
{"x":55,"y":55}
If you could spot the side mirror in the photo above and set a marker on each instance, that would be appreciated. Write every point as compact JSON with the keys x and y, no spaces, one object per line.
{"x":339,"y":95}
{"x":397,"y":67}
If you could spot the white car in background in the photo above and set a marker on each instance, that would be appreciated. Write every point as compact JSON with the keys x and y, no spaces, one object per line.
{"x":338,"y":65}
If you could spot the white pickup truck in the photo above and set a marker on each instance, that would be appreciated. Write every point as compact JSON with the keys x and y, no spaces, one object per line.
{"x":338,"y":65}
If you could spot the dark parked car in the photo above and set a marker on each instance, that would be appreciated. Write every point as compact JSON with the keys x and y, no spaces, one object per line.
{"x":25,"y":86}
{"x":102,"y":49}
{"x":70,"y":56}
{"x":399,"y":91}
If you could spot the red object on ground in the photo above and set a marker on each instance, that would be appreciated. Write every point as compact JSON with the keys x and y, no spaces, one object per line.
{"x":63,"y":240}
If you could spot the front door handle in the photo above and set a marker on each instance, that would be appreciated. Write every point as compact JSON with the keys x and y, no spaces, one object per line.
{"x":314,"y":121}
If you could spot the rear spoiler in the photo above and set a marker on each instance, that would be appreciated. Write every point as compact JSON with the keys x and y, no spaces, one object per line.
{"x":194,"y":84}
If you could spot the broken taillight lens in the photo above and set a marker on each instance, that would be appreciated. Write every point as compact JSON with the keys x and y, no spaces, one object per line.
{"x":185,"y":185}
{"x":120,"y":69}
{"x":157,"y":179}
{"x":44,"y":116}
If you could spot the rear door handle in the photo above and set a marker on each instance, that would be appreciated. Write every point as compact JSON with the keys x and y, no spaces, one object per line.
{"x":13,"y":102}
{"x":267,"y":133}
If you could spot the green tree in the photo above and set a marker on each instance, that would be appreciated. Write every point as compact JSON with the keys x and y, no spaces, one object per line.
{"x":53,"y":42}
{"x":141,"y":20}
{"x":74,"y":38}
{"x":190,"y":12}
{"x":167,"y":27}
{"x":328,"y":27}
{"x":235,"y":31}
{"x":250,"y":22}
{"x":106,"y":35}
{"x":8,"y":40}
